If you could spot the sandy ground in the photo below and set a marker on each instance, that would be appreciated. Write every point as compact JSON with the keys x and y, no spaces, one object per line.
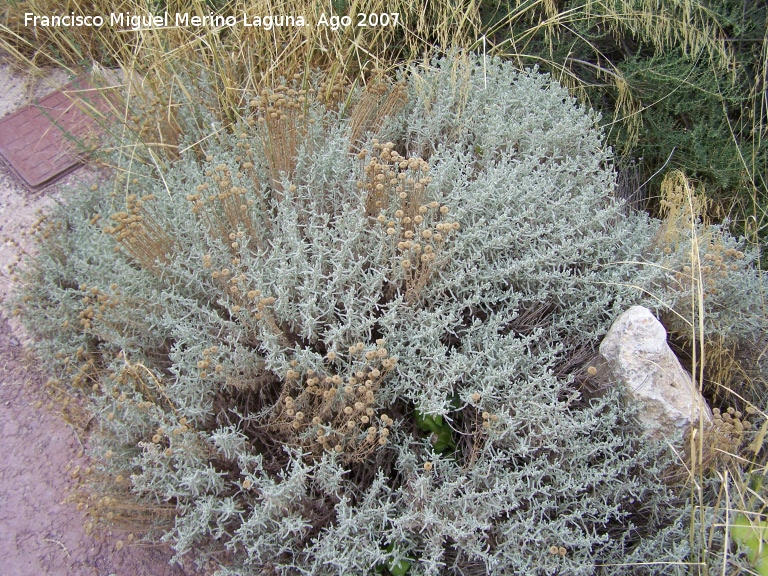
{"x":42,"y":532}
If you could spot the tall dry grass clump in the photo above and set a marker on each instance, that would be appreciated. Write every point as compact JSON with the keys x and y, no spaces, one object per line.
{"x":724,"y":349}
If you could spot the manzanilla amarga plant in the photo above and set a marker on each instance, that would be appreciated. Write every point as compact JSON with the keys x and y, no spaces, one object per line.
{"x":349,"y":335}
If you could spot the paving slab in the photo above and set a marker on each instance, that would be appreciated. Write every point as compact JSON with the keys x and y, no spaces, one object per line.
{"x":47,"y":139}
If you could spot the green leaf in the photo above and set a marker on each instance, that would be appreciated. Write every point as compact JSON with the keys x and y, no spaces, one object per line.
{"x":400,"y":568}
{"x":443,"y":439}
{"x":429,"y":423}
{"x":752,"y":536}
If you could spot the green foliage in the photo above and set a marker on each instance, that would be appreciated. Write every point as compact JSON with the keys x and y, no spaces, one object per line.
{"x":680,"y":85}
{"x":268,"y":326}
{"x":395,"y":568}
{"x":441,"y":435}
{"x":750,"y":535}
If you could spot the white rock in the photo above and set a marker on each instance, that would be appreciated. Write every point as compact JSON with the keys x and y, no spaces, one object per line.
{"x":635,"y":354}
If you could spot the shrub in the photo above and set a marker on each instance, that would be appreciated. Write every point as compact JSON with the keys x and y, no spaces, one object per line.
{"x":350,"y":335}
{"x":714,"y":295}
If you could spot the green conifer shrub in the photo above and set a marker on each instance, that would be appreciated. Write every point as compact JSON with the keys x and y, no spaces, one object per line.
{"x":349,"y":336}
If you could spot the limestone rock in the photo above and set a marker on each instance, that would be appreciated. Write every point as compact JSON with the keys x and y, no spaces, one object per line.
{"x":635,"y":354}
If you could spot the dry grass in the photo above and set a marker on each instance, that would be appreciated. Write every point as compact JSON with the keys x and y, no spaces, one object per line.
{"x":244,"y":59}
{"x":721,"y":449}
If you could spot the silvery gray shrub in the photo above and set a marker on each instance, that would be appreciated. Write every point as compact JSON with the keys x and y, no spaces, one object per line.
{"x":349,"y":338}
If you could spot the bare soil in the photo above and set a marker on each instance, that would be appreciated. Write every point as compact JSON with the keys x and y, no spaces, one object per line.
{"x":42,"y":531}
